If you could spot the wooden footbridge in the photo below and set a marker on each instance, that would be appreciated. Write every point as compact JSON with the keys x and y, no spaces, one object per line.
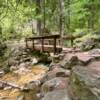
{"x":48,"y":44}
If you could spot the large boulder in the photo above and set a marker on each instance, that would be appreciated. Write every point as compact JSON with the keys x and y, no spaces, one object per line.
{"x":85,"y":83}
{"x":57,"y":95}
{"x":69,"y":61}
{"x":78,"y":58}
{"x":57,"y":72}
{"x":88,"y":42}
{"x":59,"y":83}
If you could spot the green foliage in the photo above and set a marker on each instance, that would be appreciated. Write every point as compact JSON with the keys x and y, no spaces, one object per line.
{"x":77,"y":15}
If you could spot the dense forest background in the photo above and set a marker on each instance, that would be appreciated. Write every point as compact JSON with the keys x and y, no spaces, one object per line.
{"x":22,"y":18}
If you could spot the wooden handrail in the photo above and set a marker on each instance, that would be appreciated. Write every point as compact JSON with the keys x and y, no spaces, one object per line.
{"x":44,"y":37}
{"x":54,"y":37}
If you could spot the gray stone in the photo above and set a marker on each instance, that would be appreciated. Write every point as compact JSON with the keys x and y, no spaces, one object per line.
{"x":57,"y":95}
{"x":1,"y":85}
{"x":13,"y":68}
{"x":8,"y":88}
{"x":21,"y":97}
{"x":33,"y":85}
{"x":57,"y":72}
{"x":85,"y":83}
{"x":2,"y":73}
{"x":69,"y":61}
{"x":54,"y":84}
{"x":55,"y":58}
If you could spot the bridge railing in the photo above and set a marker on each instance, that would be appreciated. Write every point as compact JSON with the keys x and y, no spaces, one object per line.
{"x":54,"y":39}
{"x":42,"y":39}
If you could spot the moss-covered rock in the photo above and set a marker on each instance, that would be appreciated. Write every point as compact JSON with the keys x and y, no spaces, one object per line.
{"x":85,"y":84}
{"x":88,"y":42}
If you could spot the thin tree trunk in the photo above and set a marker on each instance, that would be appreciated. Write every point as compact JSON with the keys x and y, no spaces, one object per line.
{"x":91,"y":18}
{"x":44,"y":20}
{"x":38,"y":12}
{"x":61,"y":24}
{"x":68,"y":16}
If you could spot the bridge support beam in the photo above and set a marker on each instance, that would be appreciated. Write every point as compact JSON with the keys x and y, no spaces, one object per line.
{"x":55,"y":46}
{"x":42,"y":41}
{"x":33,"y":44}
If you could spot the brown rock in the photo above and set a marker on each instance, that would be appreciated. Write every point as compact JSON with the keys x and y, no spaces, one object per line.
{"x":58,"y":95}
{"x":57,"y":72}
{"x":85,"y":83}
{"x":69,"y":61}
{"x":54,"y":84}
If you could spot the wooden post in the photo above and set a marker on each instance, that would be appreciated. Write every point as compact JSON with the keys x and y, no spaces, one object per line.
{"x":26,"y":43}
{"x":54,"y":45}
{"x":72,"y":42}
{"x":33,"y":45}
{"x":42,"y":41}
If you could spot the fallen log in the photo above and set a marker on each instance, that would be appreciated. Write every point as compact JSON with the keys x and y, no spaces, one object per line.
{"x":4,"y":84}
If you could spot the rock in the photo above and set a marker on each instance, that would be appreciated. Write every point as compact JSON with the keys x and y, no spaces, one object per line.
{"x":1,"y":85}
{"x":88,"y":44}
{"x":54,"y":84}
{"x":39,"y":96}
{"x":24,"y":88}
{"x":34,"y":61}
{"x":21,"y":97}
{"x":22,"y":65}
{"x":57,"y":72}
{"x":80,"y":58}
{"x":28,"y":59}
{"x":94,"y":52}
{"x":84,"y":58}
{"x":55,"y":58}
{"x":12,"y":62}
{"x":2,"y":73}
{"x":35,"y":82}
{"x":63,"y":73}
{"x":69,"y":61}
{"x":53,"y":65}
{"x":22,"y":71}
{"x":33,"y":85}
{"x":13,"y":68}
{"x":57,"y":95}
{"x":3,"y":98}
{"x":8,"y":88}
{"x":85,"y":83}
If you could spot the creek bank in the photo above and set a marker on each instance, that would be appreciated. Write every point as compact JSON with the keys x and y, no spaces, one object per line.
{"x":21,"y":73}
{"x":83,"y":74}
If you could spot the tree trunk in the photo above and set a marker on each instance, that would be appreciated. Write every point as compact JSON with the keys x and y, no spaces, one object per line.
{"x":38,"y":12}
{"x":91,"y":19}
{"x":68,"y":16}
{"x":44,"y":20}
{"x":61,"y":23}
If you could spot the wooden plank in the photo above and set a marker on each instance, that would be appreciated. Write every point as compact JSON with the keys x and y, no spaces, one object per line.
{"x":42,"y":41}
{"x":43,"y":37}
{"x":54,"y":45}
{"x":48,"y":48}
{"x":33,"y":45}
{"x":26,"y":43}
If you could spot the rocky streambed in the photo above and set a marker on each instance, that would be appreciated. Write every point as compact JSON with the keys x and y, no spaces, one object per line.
{"x":22,"y":84}
{"x":71,"y":75}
